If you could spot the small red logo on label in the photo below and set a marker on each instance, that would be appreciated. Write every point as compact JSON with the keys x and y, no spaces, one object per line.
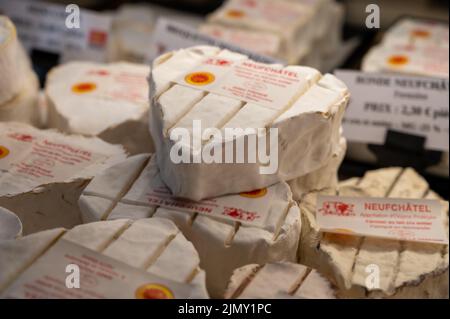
{"x":97,"y":38}
{"x":337,"y":208}
{"x":240,"y":214}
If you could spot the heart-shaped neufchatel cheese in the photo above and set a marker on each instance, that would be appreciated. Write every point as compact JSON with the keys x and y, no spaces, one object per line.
{"x":279,"y":281}
{"x":222,"y":229}
{"x":155,"y":245}
{"x":105,"y":100}
{"x":42,"y":173}
{"x":406,"y":269}
{"x":203,"y":89}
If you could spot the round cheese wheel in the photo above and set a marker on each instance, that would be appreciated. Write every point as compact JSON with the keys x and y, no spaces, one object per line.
{"x":80,"y":93}
{"x":278,"y":281}
{"x":407,"y":269}
{"x":126,"y":190}
{"x":155,"y":245}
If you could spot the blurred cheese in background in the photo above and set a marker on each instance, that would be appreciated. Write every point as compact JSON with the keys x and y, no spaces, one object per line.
{"x":411,"y":47}
{"x":18,"y":83}
{"x":133,"y":26}
{"x":105,"y":100}
{"x":307,"y":31}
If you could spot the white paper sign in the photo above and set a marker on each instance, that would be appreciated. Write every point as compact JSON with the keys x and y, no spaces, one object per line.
{"x":169,"y":36}
{"x":403,"y":219}
{"x":100,"y":277}
{"x":409,"y":104}
{"x":42,"y":26}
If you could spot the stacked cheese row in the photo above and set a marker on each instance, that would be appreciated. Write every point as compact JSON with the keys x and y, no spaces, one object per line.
{"x":42,"y":173}
{"x":109,"y":101}
{"x":295,"y":31}
{"x":407,"y":269}
{"x":18,"y":84}
{"x":155,"y":245}
{"x":307,"y":119}
{"x":127,"y":190}
{"x":415,"y":47}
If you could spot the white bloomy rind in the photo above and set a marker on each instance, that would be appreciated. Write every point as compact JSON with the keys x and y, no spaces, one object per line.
{"x":35,"y":182}
{"x":223,"y":245}
{"x":10,"y":225}
{"x":155,"y":245}
{"x":12,"y":63}
{"x":105,"y":100}
{"x":278,"y":281}
{"x":308,"y":127}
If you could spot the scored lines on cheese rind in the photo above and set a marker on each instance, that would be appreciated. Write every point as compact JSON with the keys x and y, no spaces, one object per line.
{"x":263,"y":285}
{"x":212,"y":111}
{"x":176,"y":103}
{"x":177,"y":250}
{"x":98,"y":235}
{"x":13,"y":264}
{"x":136,"y":247}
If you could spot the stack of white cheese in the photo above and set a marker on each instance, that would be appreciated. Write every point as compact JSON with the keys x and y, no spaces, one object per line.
{"x":414,"y":47}
{"x":109,"y":101}
{"x":295,"y":31}
{"x":18,"y":84}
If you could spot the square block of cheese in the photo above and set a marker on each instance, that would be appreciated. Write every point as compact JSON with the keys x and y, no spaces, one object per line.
{"x":155,"y":245}
{"x":307,"y":120}
{"x":42,"y":173}
{"x":105,"y":100}
{"x":407,"y":269}
{"x":126,"y":190}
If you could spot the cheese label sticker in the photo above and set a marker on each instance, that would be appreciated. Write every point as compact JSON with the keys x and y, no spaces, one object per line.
{"x":250,"y":208}
{"x":30,"y":158}
{"x":248,"y":81}
{"x":401,"y":219}
{"x":70,"y":271}
{"x":127,"y":85}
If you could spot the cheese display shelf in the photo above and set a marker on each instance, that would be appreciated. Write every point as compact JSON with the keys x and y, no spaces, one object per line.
{"x":192,"y":149}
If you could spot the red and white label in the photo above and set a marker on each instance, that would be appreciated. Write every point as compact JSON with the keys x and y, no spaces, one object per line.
{"x":29,"y":160}
{"x":112,"y":84}
{"x":252,"y":82}
{"x":250,"y":208}
{"x":99,"y":277}
{"x":402,"y":219}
